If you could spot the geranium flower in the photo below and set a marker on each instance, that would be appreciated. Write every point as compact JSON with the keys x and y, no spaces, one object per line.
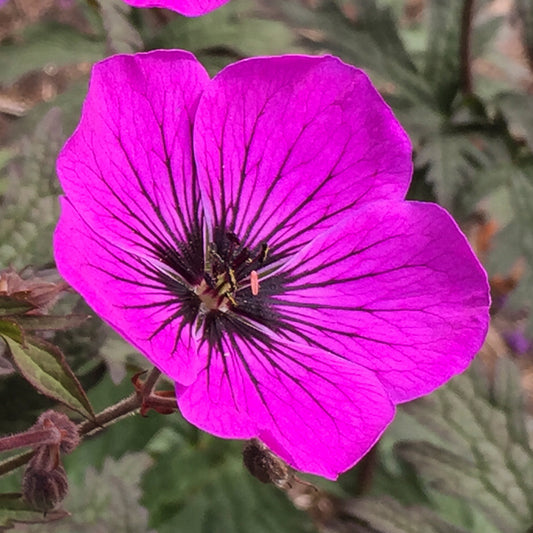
{"x":249,"y":235}
{"x":189,"y":8}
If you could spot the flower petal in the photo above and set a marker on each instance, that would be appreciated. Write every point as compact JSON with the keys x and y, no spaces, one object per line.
{"x":133,"y":202}
{"x":287,"y":146}
{"x":189,"y":8}
{"x":129,"y":167}
{"x":317,"y":412}
{"x":396,"y":288}
{"x":125,"y":291}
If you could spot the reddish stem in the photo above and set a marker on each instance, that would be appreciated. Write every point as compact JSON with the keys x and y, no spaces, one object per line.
{"x":32,"y":437}
{"x":103,"y":419}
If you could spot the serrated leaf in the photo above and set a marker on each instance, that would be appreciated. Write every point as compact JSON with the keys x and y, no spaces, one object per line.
{"x":460,"y":162}
{"x":513,"y":107}
{"x":44,"y":366}
{"x":13,"y":509}
{"x":481,"y":453}
{"x":442,"y":56}
{"x":386,"y":515}
{"x":510,"y":206}
{"x":453,"y":474}
{"x":211,"y":492}
{"x":47,"y":43}
{"x":121,"y":36}
{"x":452,"y":151}
{"x":505,"y":395}
{"x":234,"y":31}
{"x":370,"y":39}
{"x":30,"y":206}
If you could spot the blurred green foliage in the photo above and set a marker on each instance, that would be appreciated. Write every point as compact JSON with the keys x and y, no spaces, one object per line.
{"x":456,"y":461}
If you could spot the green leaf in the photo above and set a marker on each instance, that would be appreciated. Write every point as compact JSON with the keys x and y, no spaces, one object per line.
{"x":118,"y":354}
{"x":233,"y":31}
{"x":13,"y":509}
{"x":44,"y":366}
{"x":455,"y":142}
{"x":121,"y":36}
{"x":201,"y":486}
{"x":370,"y":40}
{"x":11,"y":329}
{"x":460,"y":161}
{"x":47,"y":43}
{"x":30,"y":208}
{"x":510,"y":205}
{"x":19,"y":400}
{"x":442,"y":56}
{"x":386,"y":515}
{"x":513,"y":106}
{"x":481,"y":452}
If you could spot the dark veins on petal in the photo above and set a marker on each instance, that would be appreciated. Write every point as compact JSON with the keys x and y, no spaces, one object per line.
{"x":210,"y":287}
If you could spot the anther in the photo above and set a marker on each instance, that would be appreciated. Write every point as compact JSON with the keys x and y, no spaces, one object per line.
{"x":254,"y":282}
{"x":263,"y":253}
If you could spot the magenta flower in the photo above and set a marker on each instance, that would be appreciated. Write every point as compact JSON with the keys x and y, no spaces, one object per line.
{"x":189,"y":8}
{"x":248,"y":234}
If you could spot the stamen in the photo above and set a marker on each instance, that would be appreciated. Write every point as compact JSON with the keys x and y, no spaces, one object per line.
{"x":263,"y":253}
{"x":254,"y":282}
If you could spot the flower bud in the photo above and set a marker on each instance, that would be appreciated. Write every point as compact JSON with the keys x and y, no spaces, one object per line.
{"x":70,"y":437}
{"x":44,"y":489}
{"x":265,"y":465}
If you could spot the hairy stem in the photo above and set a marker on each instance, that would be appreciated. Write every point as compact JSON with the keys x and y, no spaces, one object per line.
{"x":31,"y":437}
{"x":105,"y":418}
{"x":465,"y":46}
{"x":110,"y":415}
{"x":125,"y":407}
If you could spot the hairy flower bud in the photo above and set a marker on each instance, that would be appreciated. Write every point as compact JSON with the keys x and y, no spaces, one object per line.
{"x":44,"y":489}
{"x":70,"y":437}
{"x":265,"y":465}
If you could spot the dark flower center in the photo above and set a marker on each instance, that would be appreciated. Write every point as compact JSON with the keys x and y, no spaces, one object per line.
{"x":219,"y":286}
{"x":228,"y":271}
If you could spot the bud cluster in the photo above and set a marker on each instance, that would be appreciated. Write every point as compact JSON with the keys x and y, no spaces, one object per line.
{"x":45,"y":483}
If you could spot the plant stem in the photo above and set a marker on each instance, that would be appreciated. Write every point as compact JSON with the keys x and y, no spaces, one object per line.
{"x":31,"y":437}
{"x":151,"y":380}
{"x":465,"y":43}
{"x":121,"y":409}
{"x":108,"y":416}
{"x":111,"y":414}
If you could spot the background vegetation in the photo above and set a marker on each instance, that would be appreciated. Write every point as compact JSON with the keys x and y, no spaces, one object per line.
{"x":459,"y":76}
